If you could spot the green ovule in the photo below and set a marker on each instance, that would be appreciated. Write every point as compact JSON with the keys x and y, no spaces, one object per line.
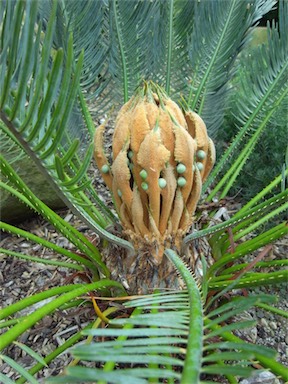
{"x":181,"y":181}
{"x":119,"y":193}
{"x":130,"y":154}
{"x":144,"y":186}
{"x":201,"y":154}
{"x":181,"y":168}
{"x":162,"y":182}
{"x":199,"y":166}
{"x":143,"y":174}
{"x":105,"y":168}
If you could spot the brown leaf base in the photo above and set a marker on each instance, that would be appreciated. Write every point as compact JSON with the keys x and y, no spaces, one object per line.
{"x":139,"y":273}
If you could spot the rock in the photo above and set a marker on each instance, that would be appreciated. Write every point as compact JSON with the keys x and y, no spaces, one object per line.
{"x":262,"y":377}
{"x":264,"y":322}
{"x":248,"y":334}
{"x":13,"y":210}
{"x":273,"y":325}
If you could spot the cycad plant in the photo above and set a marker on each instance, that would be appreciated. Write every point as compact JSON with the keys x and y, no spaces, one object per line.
{"x":66,"y":64}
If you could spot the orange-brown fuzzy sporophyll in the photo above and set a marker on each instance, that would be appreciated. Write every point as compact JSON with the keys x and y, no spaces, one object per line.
{"x":161,"y":156}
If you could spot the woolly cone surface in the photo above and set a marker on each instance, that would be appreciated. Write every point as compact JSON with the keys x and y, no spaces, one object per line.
{"x":160,"y":158}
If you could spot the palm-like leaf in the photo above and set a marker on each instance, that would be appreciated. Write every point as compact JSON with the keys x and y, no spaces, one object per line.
{"x":220,"y":31}
{"x":167,"y":330}
{"x":267,"y":97}
{"x":41,"y":128}
{"x":187,"y":47}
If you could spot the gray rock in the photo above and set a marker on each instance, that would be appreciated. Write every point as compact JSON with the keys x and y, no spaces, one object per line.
{"x":261,"y":377}
{"x":273,"y":325}
{"x":264,"y":322}
{"x":248,"y":334}
{"x":13,"y":210}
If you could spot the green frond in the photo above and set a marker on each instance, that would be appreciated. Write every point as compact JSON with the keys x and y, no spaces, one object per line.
{"x":52,"y":122}
{"x":183,"y":24}
{"x":9,"y":146}
{"x":38,"y":314}
{"x":244,"y":221}
{"x":140,"y":57}
{"x":18,"y":368}
{"x":115,"y":63}
{"x":165,"y":342}
{"x":60,"y":224}
{"x":260,"y":97}
{"x":220,"y":30}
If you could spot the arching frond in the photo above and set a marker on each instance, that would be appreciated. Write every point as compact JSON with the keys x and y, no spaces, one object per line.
{"x":41,"y":105}
{"x":251,"y":214}
{"x":267,"y":96}
{"x":188,"y":48}
{"x":122,"y":44}
{"x":219,"y":33}
{"x":168,"y":338}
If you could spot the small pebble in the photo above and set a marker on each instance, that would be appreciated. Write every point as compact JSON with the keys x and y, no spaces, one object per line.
{"x":8,"y":284}
{"x":264,"y":323}
{"x":273,"y":325}
{"x":262,"y":377}
{"x":68,"y":217}
{"x":260,"y":314}
{"x":25,"y":245}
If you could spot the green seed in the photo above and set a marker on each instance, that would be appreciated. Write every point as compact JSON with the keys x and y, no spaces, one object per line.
{"x":105,"y":168}
{"x":201,"y":154}
{"x":131,"y":166}
{"x":181,"y":168}
{"x":119,"y":193}
{"x":200,"y":166}
{"x":143,"y":174}
{"x":144,"y":186}
{"x":181,"y":181}
{"x":130,"y":154}
{"x":162,"y":182}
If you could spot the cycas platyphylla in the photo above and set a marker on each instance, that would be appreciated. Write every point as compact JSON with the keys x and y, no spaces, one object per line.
{"x":161,"y":156}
